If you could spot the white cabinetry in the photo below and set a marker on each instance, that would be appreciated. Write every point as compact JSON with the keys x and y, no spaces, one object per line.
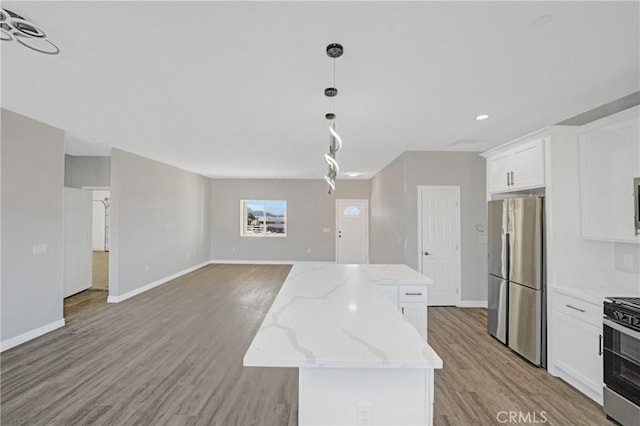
{"x":411,"y":300}
{"x":516,"y":166}
{"x":609,"y":161}
{"x":577,"y":346}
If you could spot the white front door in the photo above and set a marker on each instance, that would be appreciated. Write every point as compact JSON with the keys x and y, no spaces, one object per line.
{"x":439,"y":227}
{"x":352,"y":231}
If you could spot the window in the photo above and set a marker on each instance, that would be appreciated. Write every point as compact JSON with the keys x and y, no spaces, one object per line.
{"x":263,"y":218}
{"x":352,"y":211}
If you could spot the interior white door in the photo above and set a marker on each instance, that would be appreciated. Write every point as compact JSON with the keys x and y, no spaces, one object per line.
{"x":352,"y":231}
{"x":439,"y":216}
{"x":77,"y":240}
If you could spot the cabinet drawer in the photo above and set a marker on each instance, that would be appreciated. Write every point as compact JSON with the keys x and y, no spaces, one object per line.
{"x":413,"y":293}
{"x":578,"y":309}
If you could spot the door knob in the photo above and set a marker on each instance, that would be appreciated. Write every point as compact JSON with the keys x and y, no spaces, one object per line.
{"x":426,"y":253}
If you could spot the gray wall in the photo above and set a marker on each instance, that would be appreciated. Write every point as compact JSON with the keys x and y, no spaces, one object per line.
{"x":388,"y":231}
{"x":32,"y":213}
{"x":82,"y":171}
{"x":160,"y":217}
{"x":309,"y":210}
{"x":395,"y":229}
{"x":467,"y":170}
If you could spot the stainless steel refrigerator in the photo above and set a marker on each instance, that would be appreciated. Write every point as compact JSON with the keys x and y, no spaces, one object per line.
{"x":516,"y":287}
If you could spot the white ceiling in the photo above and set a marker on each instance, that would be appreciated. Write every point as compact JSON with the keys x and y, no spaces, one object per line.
{"x":236,"y":89}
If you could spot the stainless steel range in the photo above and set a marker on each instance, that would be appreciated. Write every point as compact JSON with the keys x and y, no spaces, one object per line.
{"x":621,"y":330}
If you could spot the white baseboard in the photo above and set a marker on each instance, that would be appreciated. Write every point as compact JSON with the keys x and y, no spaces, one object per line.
{"x":118,"y":299}
{"x":30,"y":335}
{"x":472,"y":304}
{"x":266,"y":262}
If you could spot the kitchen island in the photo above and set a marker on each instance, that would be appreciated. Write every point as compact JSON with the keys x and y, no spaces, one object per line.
{"x":359,"y":360}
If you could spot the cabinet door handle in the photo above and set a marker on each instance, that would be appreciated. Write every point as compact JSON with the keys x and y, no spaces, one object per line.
{"x":511,"y":178}
{"x":402,"y":309}
{"x":412,"y":294}
{"x":600,"y":344}
{"x":508,"y":179}
{"x":574,"y":308}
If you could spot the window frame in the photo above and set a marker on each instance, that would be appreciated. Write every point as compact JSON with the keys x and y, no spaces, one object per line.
{"x":243,"y":219}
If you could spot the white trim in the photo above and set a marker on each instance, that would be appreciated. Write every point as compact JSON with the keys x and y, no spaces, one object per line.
{"x":349,"y":200}
{"x":118,"y":299}
{"x":30,"y":335}
{"x":265,"y":262}
{"x":472,"y":304}
{"x":458,"y":277}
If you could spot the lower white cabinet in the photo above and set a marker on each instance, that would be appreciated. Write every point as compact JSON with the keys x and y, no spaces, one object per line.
{"x":416,"y":314}
{"x":577,"y":346}
{"x":411,"y":302}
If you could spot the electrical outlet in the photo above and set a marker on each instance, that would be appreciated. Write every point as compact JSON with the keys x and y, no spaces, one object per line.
{"x":233,"y":249}
{"x":364,"y":413}
{"x":308,"y":250}
{"x":40,"y":248}
{"x":146,"y":268}
{"x":628,"y":261}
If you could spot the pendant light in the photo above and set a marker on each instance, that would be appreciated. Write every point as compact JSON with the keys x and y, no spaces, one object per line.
{"x":15,"y":27}
{"x":334,"y":50}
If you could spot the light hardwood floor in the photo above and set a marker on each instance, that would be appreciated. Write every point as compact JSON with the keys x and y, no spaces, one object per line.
{"x":100,"y":270}
{"x":481,"y":378}
{"x":85,"y":301}
{"x":173,"y":356}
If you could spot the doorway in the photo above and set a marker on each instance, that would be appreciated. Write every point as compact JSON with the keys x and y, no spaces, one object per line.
{"x":100,"y":238}
{"x":352,"y":231}
{"x":439,"y":242}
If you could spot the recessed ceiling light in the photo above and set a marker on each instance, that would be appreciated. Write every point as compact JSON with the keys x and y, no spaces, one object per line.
{"x":353,"y":174}
{"x":482,"y":117}
{"x":542,"y":21}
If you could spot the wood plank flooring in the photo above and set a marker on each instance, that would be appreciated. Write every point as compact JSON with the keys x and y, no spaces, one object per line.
{"x":481,"y":378}
{"x":173,"y":356}
{"x":85,"y":301}
{"x":100,"y":270}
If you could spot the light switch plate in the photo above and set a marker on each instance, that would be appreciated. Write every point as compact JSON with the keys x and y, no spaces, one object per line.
{"x":628,"y":261}
{"x":40,"y":248}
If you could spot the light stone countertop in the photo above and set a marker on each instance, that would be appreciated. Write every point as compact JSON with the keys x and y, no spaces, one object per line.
{"x":329,"y":315}
{"x":596,"y":295}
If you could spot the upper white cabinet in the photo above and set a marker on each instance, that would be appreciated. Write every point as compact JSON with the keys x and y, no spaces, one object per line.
{"x":516,"y":167}
{"x":609,"y":161}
